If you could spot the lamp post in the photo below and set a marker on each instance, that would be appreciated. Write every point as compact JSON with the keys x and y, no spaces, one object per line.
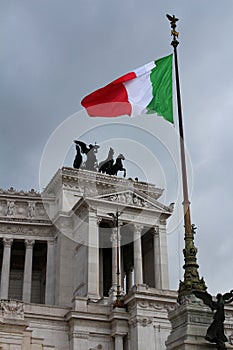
{"x":115,"y":216}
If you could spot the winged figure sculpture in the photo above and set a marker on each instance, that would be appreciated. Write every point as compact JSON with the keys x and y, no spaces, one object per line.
{"x":215,"y":332}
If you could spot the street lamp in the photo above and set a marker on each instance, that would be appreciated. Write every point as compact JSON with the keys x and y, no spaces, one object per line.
{"x":115,"y":217}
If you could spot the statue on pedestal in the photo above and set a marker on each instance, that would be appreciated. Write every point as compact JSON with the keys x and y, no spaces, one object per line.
{"x":118,"y":166}
{"x":90,"y":151}
{"x":108,"y":166}
{"x":215,"y":332}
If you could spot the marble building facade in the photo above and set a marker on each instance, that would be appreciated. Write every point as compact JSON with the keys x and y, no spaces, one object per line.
{"x":59,"y":260}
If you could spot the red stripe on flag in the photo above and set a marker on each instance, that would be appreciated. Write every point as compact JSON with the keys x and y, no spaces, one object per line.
{"x":111,"y":100}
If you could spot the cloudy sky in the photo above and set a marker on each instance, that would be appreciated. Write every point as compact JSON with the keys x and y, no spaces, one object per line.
{"x":54,"y":52}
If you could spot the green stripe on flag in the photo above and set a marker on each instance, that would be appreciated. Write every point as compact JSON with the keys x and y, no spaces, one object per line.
{"x":161,"y":79}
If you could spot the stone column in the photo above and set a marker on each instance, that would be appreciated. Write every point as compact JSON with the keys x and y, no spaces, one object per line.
{"x":137,"y":247}
{"x":130,"y":279}
{"x":113,"y":239}
{"x":101,"y":272}
{"x":116,"y":251}
{"x":27,"y":277}
{"x":93,"y":256}
{"x":5,"y":277}
{"x":119,"y":255}
{"x":157,"y":266}
{"x":118,"y":342}
{"x":50,"y":275}
{"x":163,"y":255}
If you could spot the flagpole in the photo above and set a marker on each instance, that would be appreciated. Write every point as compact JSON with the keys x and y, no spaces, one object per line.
{"x":191,"y":282}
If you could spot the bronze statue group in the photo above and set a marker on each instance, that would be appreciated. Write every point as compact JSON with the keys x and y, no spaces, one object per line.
{"x":215,"y":332}
{"x":107,"y":166}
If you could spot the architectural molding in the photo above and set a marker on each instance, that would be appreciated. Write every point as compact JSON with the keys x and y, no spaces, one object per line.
{"x":26,"y":230}
{"x":80,"y":335}
{"x":142,"y":321}
{"x":7,"y":242}
{"x":77,"y":179}
{"x":13,"y":192}
{"x":29,"y":243}
{"x":134,"y":199}
{"x":12,"y":309}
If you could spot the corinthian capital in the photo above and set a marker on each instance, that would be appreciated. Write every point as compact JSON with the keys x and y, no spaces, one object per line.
{"x":7,"y":242}
{"x":29,"y":243}
{"x":138,"y":228}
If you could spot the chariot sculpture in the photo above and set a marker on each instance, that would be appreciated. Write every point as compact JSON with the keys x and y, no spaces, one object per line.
{"x":108,"y":166}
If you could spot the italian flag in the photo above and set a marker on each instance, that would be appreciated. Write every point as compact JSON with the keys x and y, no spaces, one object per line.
{"x":147,"y":89}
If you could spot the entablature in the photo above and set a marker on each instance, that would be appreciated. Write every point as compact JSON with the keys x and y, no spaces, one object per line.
{"x":95,"y":183}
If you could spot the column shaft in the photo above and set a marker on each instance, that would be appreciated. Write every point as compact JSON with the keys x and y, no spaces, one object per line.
{"x":27,"y":277}
{"x":114,"y":257}
{"x":163,"y":255}
{"x":129,"y":279}
{"x":5,"y":277}
{"x":93,"y":256}
{"x":157,"y":262}
{"x":50,"y":275}
{"x":118,"y":342}
{"x":138,"y":279}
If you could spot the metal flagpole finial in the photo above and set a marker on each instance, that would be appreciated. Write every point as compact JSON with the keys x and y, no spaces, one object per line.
{"x":174,"y":33}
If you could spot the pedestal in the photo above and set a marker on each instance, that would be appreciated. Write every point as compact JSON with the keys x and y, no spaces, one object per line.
{"x":189,"y":325}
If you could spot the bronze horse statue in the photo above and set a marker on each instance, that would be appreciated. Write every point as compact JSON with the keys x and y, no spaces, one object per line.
{"x":106,"y":165}
{"x":118,"y":166}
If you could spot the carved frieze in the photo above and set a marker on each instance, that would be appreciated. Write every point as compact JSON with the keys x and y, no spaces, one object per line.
{"x":142,"y":321}
{"x":41,"y":231}
{"x":13,"y":309}
{"x":13,"y":207}
{"x":10,"y":208}
{"x":129,"y":198}
{"x":149,"y":304}
{"x":81,"y":335}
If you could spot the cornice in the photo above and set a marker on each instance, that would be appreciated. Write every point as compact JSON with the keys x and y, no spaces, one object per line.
{"x":13,"y":193}
{"x":103,"y":183}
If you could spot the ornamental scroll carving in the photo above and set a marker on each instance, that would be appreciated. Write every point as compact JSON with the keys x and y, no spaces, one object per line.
{"x":81,"y":335}
{"x":142,"y":321}
{"x":158,"y":306}
{"x":13,"y":309}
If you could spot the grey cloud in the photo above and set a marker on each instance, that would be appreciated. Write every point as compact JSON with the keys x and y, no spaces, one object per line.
{"x":54,"y":52}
